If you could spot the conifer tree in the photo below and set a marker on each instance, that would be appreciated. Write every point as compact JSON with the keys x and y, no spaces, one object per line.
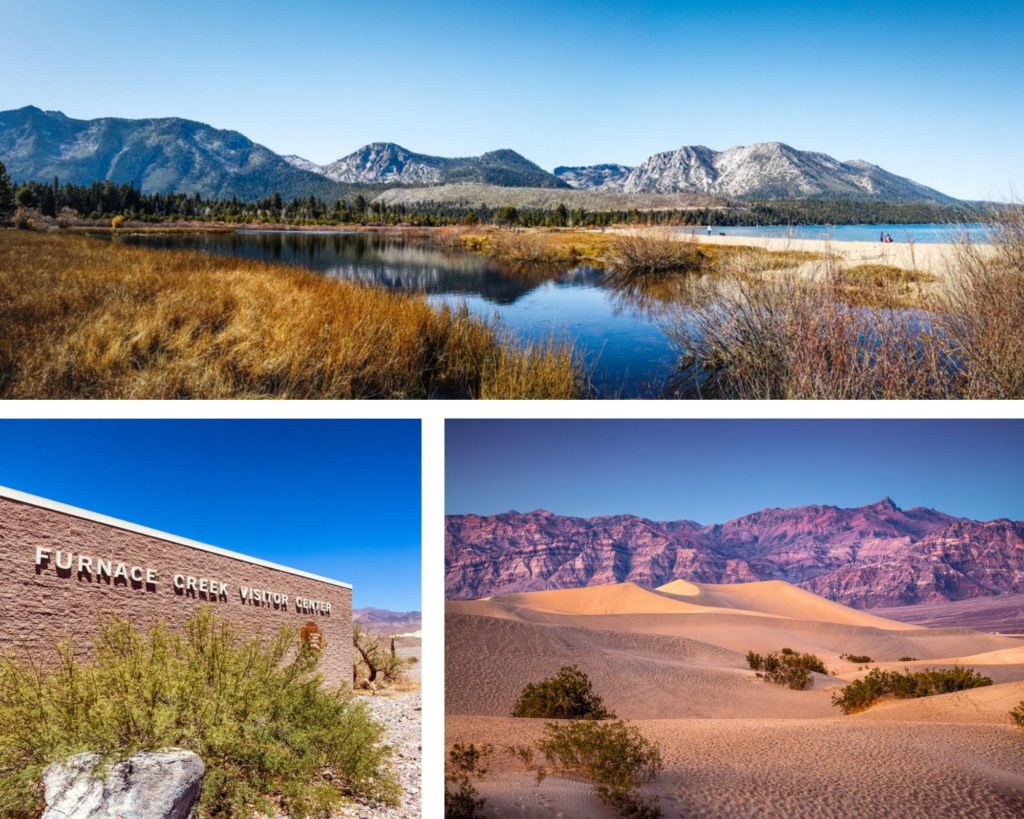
{"x":6,"y":194}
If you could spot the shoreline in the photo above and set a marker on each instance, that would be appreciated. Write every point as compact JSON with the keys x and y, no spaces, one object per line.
{"x":933,"y":257}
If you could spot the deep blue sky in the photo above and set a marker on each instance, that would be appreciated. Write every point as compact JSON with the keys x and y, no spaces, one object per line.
{"x":713,"y":471}
{"x":338,"y":498}
{"x":927,"y":90}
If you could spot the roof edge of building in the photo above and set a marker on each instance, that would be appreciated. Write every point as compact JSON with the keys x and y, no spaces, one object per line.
{"x":96,"y":517}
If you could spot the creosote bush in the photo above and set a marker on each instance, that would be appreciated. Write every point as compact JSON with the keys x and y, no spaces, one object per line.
{"x":253,"y":708}
{"x":614,"y":756}
{"x":859,"y":659}
{"x":375,"y":663}
{"x":786,"y":668}
{"x":567,"y":695}
{"x":1017,"y":714}
{"x":861,"y":693}
{"x":464,"y":763}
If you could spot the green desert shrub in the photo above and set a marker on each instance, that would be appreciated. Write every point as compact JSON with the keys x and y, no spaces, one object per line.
{"x":567,"y":695}
{"x":614,"y":756}
{"x":907,"y":659}
{"x":861,"y":693}
{"x":859,"y":659}
{"x":465,"y":763}
{"x":253,"y":708}
{"x":1017,"y":714}
{"x":786,"y":668}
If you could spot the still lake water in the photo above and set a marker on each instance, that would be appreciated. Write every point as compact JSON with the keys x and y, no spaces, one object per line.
{"x":619,"y":338}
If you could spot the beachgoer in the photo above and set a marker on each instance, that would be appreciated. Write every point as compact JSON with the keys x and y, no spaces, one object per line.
{"x":709,"y":230}
{"x":881,"y":235}
{"x":888,"y":237}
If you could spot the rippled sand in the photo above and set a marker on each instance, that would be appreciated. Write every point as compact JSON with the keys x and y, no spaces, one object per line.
{"x":733,"y":744}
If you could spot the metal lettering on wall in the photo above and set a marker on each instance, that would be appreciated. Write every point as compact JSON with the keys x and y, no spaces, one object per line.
{"x":96,"y":569}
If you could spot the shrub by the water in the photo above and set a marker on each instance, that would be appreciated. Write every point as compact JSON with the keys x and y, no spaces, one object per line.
{"x":253,"y":708}
{"x":786,"y":668}
{"x":645,"y":255}
{"x":567,"y":695}
{"x":791,"y":337}
{"x":465,"y":763}
{"x":862,"y":693}
{"x":614,"y":756}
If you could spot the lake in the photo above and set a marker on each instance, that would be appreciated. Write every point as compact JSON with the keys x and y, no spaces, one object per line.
{"x":923,"y":233}
{"x":618,"y":338}
{"x":617,"y":334}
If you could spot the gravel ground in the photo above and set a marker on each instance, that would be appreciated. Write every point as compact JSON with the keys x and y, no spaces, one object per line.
{"x":401,"y":716}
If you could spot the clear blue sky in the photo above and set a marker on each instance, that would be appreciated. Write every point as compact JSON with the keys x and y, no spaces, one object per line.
{"x":928,"y":90}
{"x":713,"y":471}
{"x":338,"y":498}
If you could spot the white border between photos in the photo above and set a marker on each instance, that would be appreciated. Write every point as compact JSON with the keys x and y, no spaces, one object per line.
{"x":433,"y":416}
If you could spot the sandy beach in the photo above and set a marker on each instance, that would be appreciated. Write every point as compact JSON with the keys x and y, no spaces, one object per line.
{"x":673,"y":660}
{"x":931,"y":257}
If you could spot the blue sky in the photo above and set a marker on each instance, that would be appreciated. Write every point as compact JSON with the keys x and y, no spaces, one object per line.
{"x":713,"y":471}
{"x":927,"y":90}
{"x":338,"y":498}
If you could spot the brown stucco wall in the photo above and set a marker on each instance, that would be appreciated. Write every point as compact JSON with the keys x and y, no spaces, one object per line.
{"x":38,"y":605}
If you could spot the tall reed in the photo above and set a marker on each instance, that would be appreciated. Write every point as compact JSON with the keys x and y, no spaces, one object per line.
{"x":85,"y":319}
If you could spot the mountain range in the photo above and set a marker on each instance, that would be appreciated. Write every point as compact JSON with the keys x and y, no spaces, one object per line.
{"x":178,"y":155}
{"x":769,"y":170}
{"x":385,"y":621}
{"x":876,"y":555}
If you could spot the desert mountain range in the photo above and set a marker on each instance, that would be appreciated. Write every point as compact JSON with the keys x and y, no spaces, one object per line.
{"x":875,"y":555}
{"x":172,"y":154}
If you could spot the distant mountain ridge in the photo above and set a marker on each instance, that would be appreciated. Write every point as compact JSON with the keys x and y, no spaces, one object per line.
{"x":770,"y":170}
{"x":387,"y":621}
{"x":176,"y":155}
{"x":390,"y":164}
{"x":157,"y":155}
{"x":876,"y":555}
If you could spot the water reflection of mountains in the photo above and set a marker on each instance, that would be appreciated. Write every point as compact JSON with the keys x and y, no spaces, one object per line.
{"x":380,"y":261}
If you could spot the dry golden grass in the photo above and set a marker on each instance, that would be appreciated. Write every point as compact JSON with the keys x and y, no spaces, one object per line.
{"x":882,"y":285}
{"x":86,"y":319}
{"x":653,"y":255}
{"x":536,"y":246}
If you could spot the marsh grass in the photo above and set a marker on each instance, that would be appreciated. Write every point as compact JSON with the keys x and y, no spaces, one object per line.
{"x":983,"y":312}
{"x":253,"y":708}
{"x":790,"y":338}
{"x":653,"y":255}
{"x":868,"y":332}
{"x":880,"y":285}
{"x":85,"y":319}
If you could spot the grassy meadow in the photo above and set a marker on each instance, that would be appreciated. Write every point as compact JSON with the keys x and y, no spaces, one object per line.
{"x":88,"y":319}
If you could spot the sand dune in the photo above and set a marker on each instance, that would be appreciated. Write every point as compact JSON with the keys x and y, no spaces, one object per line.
{"x":672,"y":659}
{"x":979,"y":706}
{"x":488,"y":661}
{"x":836,"y":767}
{"x":764,"y":598}
{"x":778,"y":598}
